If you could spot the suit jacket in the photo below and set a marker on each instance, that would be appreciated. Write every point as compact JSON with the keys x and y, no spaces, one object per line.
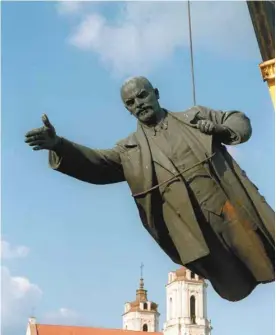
{"x":132,"y":161}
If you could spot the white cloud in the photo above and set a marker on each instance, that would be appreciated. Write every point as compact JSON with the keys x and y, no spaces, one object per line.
{"x":65,"y":7}
{"x":142,"y":35}
{"x":19,"y":297}
{"x":138,"y":39}
{"x":8,"y":252}
{"x":63,"y":316}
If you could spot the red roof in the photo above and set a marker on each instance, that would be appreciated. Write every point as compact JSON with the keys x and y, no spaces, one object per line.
{"x":73,"y":330}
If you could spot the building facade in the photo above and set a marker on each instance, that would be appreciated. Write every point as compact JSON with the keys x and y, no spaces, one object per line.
{"x":141,"y":314}
{"x":186,"y":302}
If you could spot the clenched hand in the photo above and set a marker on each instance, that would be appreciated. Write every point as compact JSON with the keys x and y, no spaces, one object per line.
{"x":211,"y":128}
{"x":44,"y":137}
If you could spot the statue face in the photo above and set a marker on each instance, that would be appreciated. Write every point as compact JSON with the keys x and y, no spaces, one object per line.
{"x":141,"y":100}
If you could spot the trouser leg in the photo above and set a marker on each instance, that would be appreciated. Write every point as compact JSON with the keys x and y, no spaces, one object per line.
{"x":246,"y":244}
{"x":227,"y":274}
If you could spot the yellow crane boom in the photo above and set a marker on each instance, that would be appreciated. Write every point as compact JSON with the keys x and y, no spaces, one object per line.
{"x":262,"y":15}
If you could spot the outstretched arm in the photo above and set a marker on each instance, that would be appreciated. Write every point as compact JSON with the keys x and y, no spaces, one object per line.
{"x":89,"y":165}
{"x":230,"y":127}
{"x":93,"y":166}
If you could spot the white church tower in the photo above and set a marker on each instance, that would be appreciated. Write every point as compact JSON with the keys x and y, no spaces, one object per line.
{"x":186,"y":304}
{"x":141,"y":314}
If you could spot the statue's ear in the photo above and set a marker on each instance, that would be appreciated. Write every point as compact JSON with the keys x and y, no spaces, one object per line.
{"x":156,"y":93}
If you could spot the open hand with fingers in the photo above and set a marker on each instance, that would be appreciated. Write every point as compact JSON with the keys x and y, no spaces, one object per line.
{"x":44,"y":137}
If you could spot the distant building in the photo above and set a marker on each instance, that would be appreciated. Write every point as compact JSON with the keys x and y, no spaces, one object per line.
{"x":186,"y":312}
{"x":141,"y":314}
{"x":186,"y":304}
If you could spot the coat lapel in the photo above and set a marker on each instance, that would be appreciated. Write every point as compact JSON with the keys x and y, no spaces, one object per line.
{"x":160,"y":158}
{"x":146,"y":158}
{"x":144,"y":202}
{"x":196,"y":139}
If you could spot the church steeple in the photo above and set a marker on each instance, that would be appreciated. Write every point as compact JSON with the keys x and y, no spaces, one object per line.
{"x":141,"y":293}
{"x":141,"y":314}
{"x":186,"y":304}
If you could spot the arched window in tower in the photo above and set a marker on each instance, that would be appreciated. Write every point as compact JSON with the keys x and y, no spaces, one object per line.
{"x":145,"y":327}
{"x":171,"y":309}
{"x":145,"y":306}
{"x":192,"y":309}
{"x":192,"y":275}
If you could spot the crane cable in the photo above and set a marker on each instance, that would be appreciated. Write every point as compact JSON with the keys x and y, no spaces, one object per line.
{"x":191,"y":53}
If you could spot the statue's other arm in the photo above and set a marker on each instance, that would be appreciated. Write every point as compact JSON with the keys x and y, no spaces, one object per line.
{"x":236,"y":124}
{"x":89,"y":165}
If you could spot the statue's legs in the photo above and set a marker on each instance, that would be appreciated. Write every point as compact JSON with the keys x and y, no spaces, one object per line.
{"x":238,"y":260}
{"x":228,"y":275}
{"x":247,"y":245}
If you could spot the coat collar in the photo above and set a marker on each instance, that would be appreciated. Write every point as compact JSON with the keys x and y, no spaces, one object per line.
{"x":189,"y":118}
{"x":131,"y":140}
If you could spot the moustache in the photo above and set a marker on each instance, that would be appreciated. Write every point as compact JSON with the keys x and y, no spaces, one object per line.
{"x":143,"y":109}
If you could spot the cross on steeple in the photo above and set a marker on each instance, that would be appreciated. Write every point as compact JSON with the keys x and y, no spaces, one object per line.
{"x":141,"y":277}
{"x":141,"y":268}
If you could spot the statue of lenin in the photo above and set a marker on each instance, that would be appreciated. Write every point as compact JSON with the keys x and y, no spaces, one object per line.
{"x":192,"y":196}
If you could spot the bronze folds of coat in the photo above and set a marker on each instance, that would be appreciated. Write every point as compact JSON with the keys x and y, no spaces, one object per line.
{"x":131,"y":160}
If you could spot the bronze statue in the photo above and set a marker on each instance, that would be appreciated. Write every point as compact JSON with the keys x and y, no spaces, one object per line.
{"x":191,"y":195}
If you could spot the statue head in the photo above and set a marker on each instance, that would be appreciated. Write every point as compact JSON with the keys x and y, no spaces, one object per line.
{"x":141,"y":100}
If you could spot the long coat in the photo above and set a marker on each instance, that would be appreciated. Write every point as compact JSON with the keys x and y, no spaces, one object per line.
{"x":132,"y":161}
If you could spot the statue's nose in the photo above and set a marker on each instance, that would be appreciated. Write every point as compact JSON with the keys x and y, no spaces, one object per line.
{"x":139,"y":104}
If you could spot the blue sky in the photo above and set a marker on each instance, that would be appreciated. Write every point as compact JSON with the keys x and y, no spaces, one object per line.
{"x":71,"y":251}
